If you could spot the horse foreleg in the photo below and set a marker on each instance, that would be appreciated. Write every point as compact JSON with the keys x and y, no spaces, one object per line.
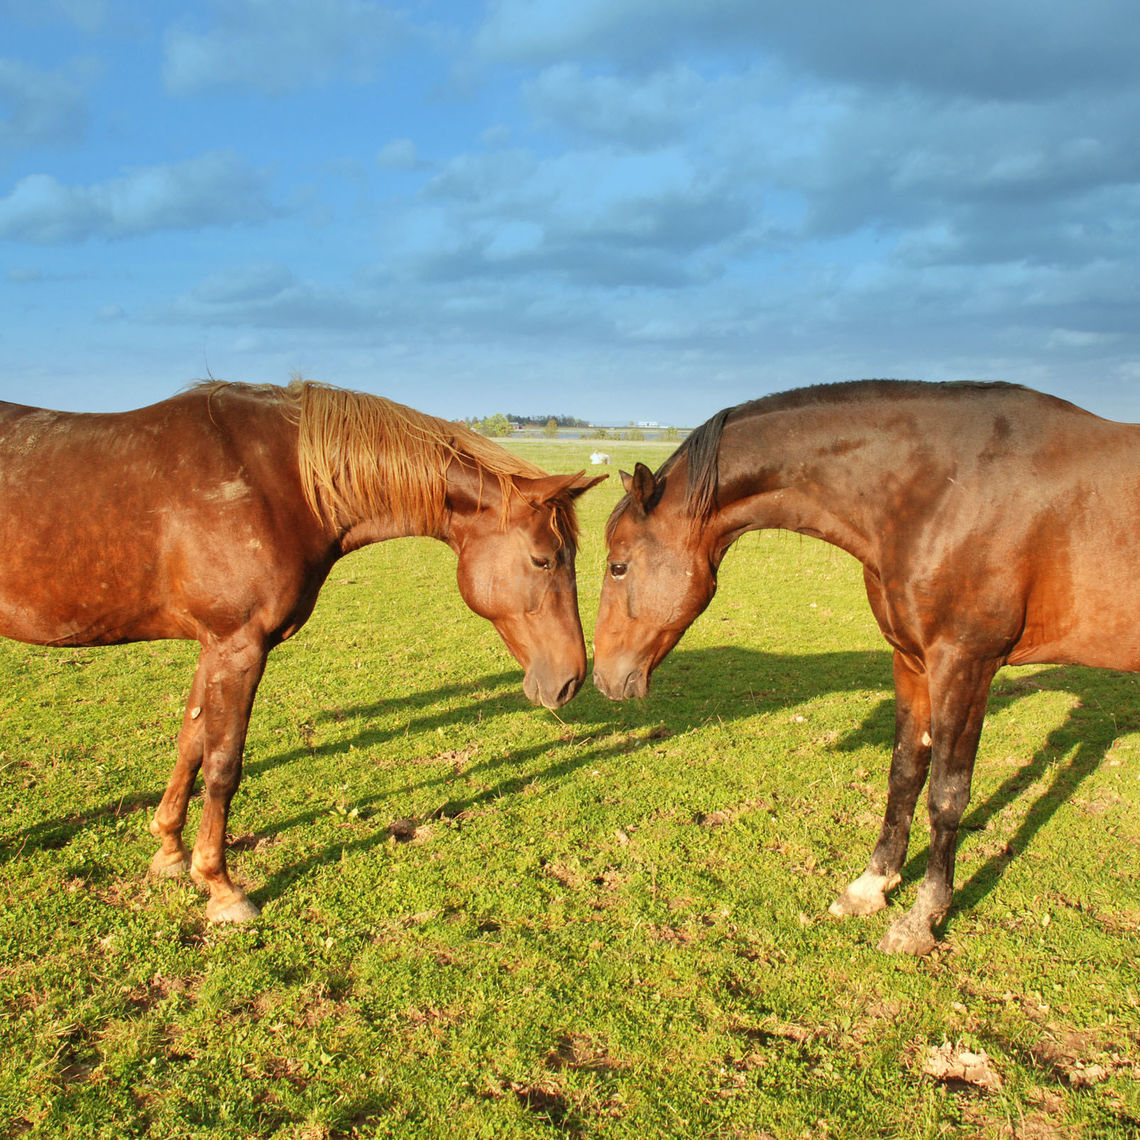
{"x":231,"y":675}
{"x":959,"y":688}
{"x":172,"y":858}
{"x":909,"y":764}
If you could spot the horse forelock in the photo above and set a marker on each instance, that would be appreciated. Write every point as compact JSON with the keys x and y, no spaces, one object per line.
{"x":699,"y":452}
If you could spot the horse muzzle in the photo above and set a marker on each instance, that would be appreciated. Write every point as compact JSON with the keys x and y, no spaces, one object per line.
{"x":551,"y":693}
{"x":620,"y":685}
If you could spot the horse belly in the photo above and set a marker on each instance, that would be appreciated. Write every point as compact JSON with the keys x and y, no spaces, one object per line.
{"x":1081,"y":609}
{"x":94,"y":590}
{"x":80,"y":555}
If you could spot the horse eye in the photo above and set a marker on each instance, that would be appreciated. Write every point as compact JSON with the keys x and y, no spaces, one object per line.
{"x":618,"y":569}
{"x":540,"y":563}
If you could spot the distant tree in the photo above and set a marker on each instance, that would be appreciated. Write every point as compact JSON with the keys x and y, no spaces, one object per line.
{"x":636,"y":434}
{"x":671,"y":435}
{"x":498,"y":424}
{"x":600,"y":433}
{"x":550,"y":430}
{"x":539,"y":421}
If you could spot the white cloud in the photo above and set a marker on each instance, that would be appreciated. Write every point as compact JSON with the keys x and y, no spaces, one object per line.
{"x":1002,"y":49}
{"x":267,"y":295}
{"x":594,"y":218}
{"x":400,"y":154}
{"x":281,"y":46}
{"x":38,"y":108}
{"x":87,"y":15}
{"x":255,"y":281}
{"x":216,"y":189}
{"x":643,"y":112}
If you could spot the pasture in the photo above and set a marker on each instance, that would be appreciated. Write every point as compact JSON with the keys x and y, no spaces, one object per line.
{"x":481,"y":918}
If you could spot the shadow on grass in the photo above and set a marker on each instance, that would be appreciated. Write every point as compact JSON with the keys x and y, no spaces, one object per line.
{"x":723,"y":684}
{"x":52,"y":834}
{"x":1106,"y":708}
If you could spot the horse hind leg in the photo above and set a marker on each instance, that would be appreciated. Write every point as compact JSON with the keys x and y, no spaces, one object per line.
{"x":172,"y":858}
{"x":233,"y":672}
{"x":910,"y":762}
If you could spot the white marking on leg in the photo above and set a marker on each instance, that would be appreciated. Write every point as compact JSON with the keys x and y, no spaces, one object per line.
{"x":866,"y":895}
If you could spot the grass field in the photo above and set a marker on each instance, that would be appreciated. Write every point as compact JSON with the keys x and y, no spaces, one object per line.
{"x":482,"y":919}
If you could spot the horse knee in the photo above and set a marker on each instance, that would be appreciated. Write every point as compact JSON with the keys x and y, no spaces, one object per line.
{"x":221,"y":777}
{"x":948,"y":803}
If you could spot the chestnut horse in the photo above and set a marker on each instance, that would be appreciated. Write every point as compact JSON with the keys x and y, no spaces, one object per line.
{"x":995,"y":526}
{"x":217,"y":515}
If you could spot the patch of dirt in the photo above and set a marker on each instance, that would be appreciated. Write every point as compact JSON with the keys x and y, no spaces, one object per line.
{"x":570,"y":877}
{"x":408,"y":831}
{"x":772,"y":1029}
{"x":580,"y":1051}
{"x":547,"y":1101}
{"x":148,"y":994}
{"x":431,"y":1017}
{"x":458,"y":758}
{"x":249,"y":841}
{"x":676,"y":934}
{"x":959,"y":1068}
{"x":1080,"y":1059}
{"x":1034,"y":1125}
{"x":728,"y":815}
{"x":565,"y":1109}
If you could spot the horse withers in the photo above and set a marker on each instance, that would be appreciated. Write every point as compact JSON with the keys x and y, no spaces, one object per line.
{"x":217,"y":515}
{"x":995,"y":525}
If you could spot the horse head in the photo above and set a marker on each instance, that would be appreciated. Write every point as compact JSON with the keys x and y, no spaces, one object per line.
{"x":660,"y":574}
{"x":516,"y":569}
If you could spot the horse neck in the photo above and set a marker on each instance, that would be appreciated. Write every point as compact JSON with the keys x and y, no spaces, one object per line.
{"x":471,"y":496}
{"x":365,"y":525}
{"x":806,"y":470}
{"x":474,"y":501}
{"x":352,"y":535}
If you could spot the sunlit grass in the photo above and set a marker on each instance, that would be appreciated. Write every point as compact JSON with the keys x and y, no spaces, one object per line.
{"x":482,"y":919}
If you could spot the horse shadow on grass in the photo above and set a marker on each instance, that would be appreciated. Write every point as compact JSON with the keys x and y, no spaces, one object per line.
{"x":55,"y":833}
{"x":692,"y":688}
{"x":728,"y":684}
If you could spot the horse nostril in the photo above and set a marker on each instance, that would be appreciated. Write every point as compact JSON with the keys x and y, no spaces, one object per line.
{"x":566,"y":693}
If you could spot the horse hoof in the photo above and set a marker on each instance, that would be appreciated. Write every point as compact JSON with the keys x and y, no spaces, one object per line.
{"x":858,"y":906}
{"x":867,"y":895}
{"x":166,"y":865}
{"x":904,"y":938}
{"x":240,"y":909}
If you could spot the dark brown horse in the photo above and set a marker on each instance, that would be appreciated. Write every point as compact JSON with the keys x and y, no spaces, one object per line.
{"x":995,"y":525}
{"x":217,"y":515}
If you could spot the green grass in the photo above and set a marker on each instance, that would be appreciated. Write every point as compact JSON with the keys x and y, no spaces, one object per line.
{"x":610,"y":922}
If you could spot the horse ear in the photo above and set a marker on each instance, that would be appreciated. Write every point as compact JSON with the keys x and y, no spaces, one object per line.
{"x":543,"y":490}
{"x":583,"y":482}
{"x":642,"y":488}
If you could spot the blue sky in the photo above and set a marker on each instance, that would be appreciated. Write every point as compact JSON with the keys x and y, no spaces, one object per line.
{"x":617,"y":209}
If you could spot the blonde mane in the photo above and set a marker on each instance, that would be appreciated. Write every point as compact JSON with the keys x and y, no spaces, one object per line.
{"x":364,"y":456}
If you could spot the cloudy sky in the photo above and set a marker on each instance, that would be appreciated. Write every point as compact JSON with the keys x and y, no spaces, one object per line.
{"x":617,"y":209}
